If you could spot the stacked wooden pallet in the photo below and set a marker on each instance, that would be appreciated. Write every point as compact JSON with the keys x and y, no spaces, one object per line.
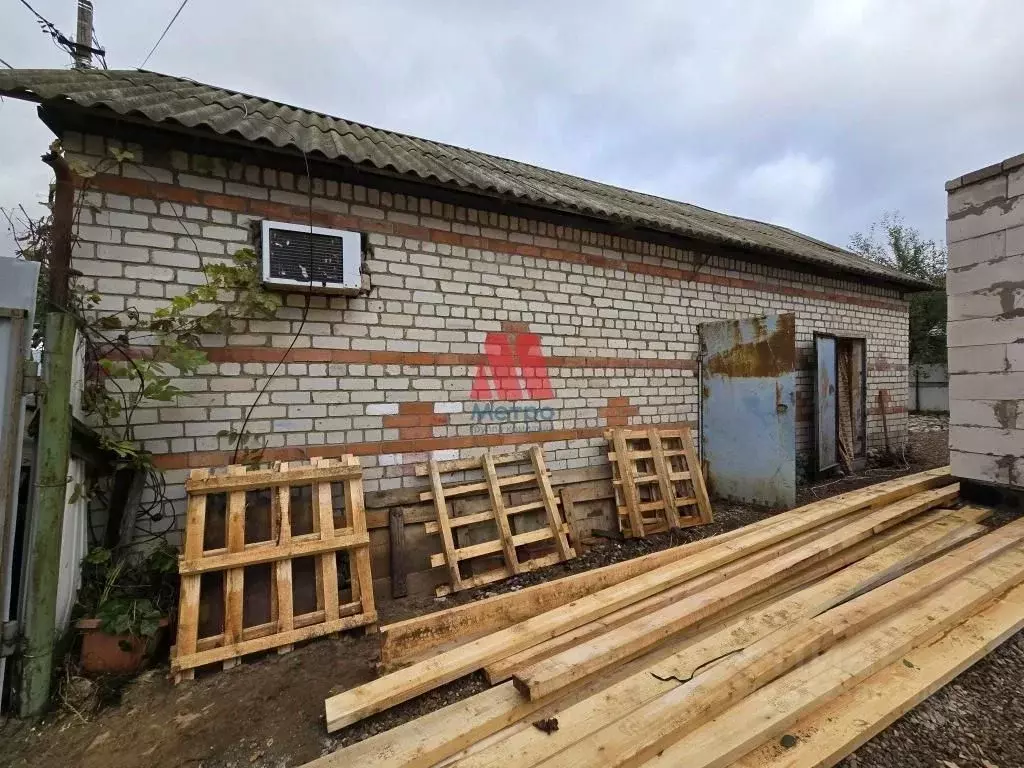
{"x":240,"y":556}
{"x":657,"y":479}
{"x":495,"y":525}
{"x":800,"y":624}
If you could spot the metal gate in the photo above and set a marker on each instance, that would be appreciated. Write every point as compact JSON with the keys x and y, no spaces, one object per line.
{"x":748,"y":408}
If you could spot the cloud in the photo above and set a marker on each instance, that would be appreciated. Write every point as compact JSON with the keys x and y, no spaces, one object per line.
{"x":787,"y":190}
{"x":821,"y":115}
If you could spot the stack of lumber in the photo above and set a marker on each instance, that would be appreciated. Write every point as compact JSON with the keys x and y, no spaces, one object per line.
{"x":495,"y":529}
{"x":657,"y":479}
{"x":827,"y":622}
{"x":240,"y":556}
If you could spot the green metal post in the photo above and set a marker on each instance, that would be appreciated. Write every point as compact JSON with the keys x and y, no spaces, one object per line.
{"x":51,"y":481}
{"x":53,"y":447}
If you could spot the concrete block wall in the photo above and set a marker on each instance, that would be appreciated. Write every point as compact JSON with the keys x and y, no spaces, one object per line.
{"x":388,"y":375}
{"x":985,"y":288}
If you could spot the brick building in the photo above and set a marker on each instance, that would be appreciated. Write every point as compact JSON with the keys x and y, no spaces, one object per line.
{"x":985,"y":284}
{"x":458,"y":245}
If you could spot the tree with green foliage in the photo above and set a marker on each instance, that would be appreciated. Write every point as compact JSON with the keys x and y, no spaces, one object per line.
{"x":893,"y":242}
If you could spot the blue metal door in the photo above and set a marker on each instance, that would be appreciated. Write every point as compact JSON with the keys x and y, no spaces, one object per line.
{"x":825,"y":403}
{"x":748,"y":408}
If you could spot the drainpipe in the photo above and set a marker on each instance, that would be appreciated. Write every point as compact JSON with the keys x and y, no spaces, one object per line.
{"x":51,"y":465}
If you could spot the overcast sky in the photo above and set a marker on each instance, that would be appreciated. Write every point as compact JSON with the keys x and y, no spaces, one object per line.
{"x":816,"y":115}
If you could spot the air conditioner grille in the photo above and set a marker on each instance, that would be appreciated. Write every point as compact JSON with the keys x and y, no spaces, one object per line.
{"x":306,"y":257}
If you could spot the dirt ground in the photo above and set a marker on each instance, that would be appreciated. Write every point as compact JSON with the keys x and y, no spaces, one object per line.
{"x":268,"y":711}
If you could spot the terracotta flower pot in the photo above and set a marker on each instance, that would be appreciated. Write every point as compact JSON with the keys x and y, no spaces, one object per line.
{"x":117,"y":654}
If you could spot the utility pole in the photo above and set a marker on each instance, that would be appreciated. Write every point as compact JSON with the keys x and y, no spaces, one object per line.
{"x":83,"y":35}
{"x":52,"y":453}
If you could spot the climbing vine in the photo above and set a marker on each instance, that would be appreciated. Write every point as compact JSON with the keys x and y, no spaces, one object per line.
{"x":133,"y":359}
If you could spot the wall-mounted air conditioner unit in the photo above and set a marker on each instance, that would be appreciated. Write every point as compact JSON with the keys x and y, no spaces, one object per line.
{"x":300,"y":257}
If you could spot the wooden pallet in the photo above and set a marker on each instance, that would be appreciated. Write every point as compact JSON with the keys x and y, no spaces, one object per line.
{"x":657,"y":479}
{"x":277,"y":551}
{"x":518,"y":551}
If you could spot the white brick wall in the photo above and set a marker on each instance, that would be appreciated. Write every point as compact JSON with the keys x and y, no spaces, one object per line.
{"x":601,"y":297}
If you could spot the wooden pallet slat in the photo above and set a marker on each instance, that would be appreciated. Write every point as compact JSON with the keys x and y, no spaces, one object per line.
{"x":284,"y":627}
{"x":499,"y":514}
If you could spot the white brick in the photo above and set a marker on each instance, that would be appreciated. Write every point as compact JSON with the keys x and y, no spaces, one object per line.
{"x":442,"y":407}
{"x":381,"y":409}
{"x":149,"y":239}
{"x":148,"y":272}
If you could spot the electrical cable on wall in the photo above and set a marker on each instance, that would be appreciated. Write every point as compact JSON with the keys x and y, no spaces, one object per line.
{"x":308,"y":292}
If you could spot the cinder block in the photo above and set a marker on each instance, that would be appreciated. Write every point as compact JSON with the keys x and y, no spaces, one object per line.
{"x":989,"y":303}
{"x":992,"y":218}
{"x":990,"y":358}
{"x":975,"y":196}
{"x":977,"y":249}
{"x":980,"y":332}
{"x":973,"y":466}
{"x":986,"y":386}
{"x":1008,"y":270}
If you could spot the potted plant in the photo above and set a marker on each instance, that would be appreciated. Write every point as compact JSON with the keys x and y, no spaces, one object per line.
{"x":124,"y":602}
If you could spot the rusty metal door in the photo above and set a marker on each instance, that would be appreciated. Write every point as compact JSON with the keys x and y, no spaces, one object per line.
{"x":748,"y":408}
{"x":826,"y":408}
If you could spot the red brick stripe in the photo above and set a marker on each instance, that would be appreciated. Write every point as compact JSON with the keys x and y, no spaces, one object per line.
{"x":219,"y":458}
{"x":160,"y":191}
{"x":274,"y":354}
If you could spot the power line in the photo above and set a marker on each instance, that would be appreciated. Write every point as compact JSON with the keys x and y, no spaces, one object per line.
{"x":163,"y":34}
{"x":61,"y":40}
{"x":6,"y":64}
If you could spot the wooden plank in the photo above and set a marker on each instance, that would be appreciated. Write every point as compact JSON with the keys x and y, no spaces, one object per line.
{"x":468,"y":488}
{"x":770,"y":711}
{"x":645,"y":632}
{"x":508,"y":546}
{"x":397,"y":555}
{"x":268,"y":478}
{"x":351,"y":706}
{"x":503,"y":669}
{"x":663,"y":473}
{"x":234,"y":578}
{"x":188,"y":601}
{"x":489,"y":577}
{"x":700,"y":490}
{"x":435,"y":737}
{"x":569,"y":512}
{"x":830,"y":733}
{"x":281,"y":509}
{"x":360,"y":575}
{"x":461,"y":465}
{"x":484,"y":517}
{"x":405,"y":640}
{"x":272,"y":641}
{"x":447,"y":542}
{"x":628,"y":477}
{"x":492,"y":547}
{"x":590,"y":715}
{"x":649,"y":730}
{"x":550,"y":504}
{"x":256,"y":555}
{"x":326,"y":564}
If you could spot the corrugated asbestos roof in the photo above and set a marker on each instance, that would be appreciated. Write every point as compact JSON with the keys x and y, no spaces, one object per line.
{"x":165,"y":99}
